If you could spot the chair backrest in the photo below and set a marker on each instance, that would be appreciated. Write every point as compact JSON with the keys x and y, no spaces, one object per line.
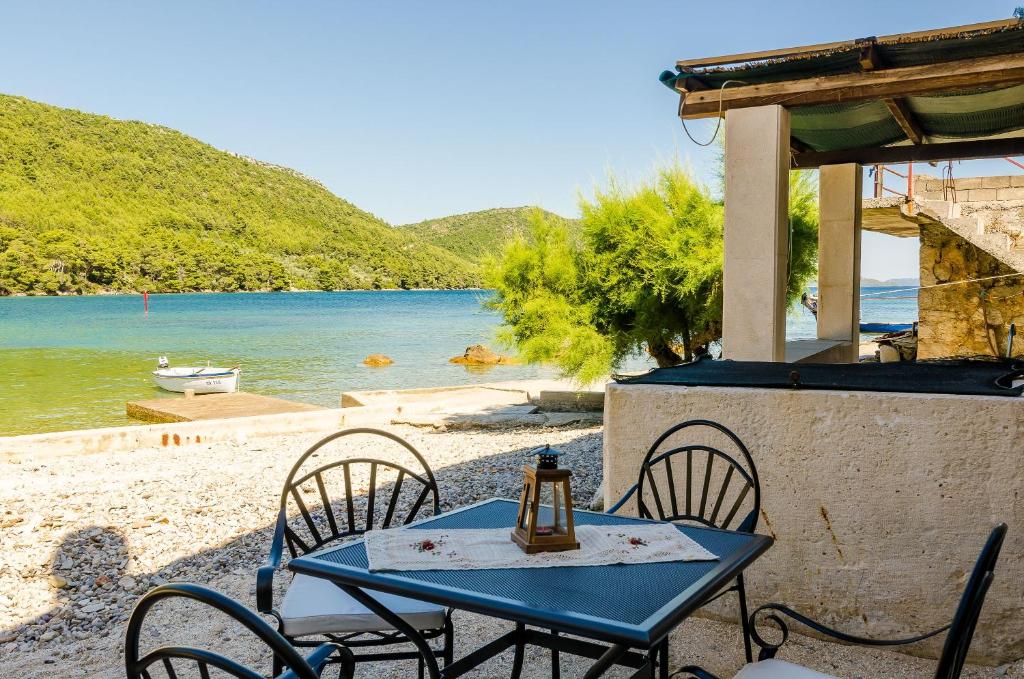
{"x":698,"y":482}
{"x":336,"y":484}
{"x":961,"y":630}
{"x":175,"y":661}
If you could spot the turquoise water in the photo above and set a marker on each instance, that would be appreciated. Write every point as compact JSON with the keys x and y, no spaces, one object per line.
{"x":73,"y":362}
{"x":877,"y":305}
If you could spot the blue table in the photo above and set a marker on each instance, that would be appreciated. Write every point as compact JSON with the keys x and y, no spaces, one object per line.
{"x":630,"y":608}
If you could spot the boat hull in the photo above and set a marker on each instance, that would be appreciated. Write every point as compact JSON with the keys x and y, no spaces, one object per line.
{"x":218,"y":382}
{"x":881,"y":328}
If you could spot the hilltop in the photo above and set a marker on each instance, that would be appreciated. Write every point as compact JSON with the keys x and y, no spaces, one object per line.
{"x":89,"y":203}
{"x":474,"y":234}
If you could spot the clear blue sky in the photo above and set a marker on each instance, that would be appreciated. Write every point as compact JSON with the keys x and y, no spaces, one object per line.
{"x":415,"y":110}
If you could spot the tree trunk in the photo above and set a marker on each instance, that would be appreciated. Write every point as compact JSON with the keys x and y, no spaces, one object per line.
{"x":687,"y":341}
{"x":662,"y":353}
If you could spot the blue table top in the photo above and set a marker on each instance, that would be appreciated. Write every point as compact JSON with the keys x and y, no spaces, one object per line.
{"x":634,"y":604}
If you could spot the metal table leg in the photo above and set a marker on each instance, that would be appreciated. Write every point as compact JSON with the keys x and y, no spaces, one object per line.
{"x":607,"y":660}
{"x":399,"y":624}
{"x":556,"y":665}
{"x":517,"y":659}
{"x":611,"y":656}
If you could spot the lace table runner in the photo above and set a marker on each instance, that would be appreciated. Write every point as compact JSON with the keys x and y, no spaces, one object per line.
{"x":412,"y":549}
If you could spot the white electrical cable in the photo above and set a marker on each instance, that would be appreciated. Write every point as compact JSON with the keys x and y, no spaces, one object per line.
{"x":940,"y":285}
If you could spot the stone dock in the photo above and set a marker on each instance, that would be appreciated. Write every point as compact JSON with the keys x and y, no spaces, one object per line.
{"x":212,"y":407}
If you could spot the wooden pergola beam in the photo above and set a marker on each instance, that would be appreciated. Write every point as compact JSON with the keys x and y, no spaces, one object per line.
{"x":869,"y":58}
{"x":960,"y":150}
{"x":691,"y":83}
{"x":994,"y":71}
{"x":829,"y":46}
{"x":905,"y":119}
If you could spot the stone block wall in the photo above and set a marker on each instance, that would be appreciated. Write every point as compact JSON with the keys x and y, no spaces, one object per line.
{"x":878,"y":502}
{"x":997,"y":202}
{"x":970,"y":319}
{"x":984,"y":188}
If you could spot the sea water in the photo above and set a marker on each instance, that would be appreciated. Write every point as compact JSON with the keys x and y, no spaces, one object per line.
{"x":73,"y":362}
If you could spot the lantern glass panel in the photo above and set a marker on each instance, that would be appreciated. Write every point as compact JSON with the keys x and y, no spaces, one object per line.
{"x":551,"y":516}
{"x":527,"y":510}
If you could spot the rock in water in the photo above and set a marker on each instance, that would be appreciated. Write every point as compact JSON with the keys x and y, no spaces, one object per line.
{"x":478,"y":354}
{"x":377,"y":360}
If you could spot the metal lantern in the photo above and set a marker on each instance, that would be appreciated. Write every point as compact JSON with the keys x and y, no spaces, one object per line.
{"x":544,"y":522}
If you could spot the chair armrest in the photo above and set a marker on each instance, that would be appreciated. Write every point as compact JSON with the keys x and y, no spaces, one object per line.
{"x":692,"y":671}
{"x":622,"y":500}
{"x":265,"y":574}
{"x":773,"y":612}
{"x":320,"y":657}
{"x":265,"y":589}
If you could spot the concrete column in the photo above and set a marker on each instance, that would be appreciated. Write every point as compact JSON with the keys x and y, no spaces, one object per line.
{"x":839,"y":203}
{"x":756,"y":233}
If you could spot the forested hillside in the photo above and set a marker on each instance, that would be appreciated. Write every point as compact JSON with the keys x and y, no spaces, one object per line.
{"x":475,"y":234}
{"x":88,"y":203}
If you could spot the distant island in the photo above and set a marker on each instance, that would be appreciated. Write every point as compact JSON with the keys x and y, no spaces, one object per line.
{"x":90,"y":204}
{"x":890,"y":283}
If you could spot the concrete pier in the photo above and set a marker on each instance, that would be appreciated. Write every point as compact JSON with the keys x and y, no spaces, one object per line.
{"x":212,"y":407}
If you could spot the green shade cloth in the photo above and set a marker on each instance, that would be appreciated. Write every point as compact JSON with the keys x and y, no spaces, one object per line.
{"x":867,"y":124}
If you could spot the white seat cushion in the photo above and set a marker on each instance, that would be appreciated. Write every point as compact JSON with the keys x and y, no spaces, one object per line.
{"x":778,"y":669}
{"x":317,"y":606}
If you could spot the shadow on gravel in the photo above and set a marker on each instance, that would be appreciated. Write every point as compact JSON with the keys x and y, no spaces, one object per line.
{"x":95,"y":591}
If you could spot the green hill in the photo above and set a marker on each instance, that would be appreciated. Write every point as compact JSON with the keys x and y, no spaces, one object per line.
{"x":475,"y":234}
{"x":90,"y":203}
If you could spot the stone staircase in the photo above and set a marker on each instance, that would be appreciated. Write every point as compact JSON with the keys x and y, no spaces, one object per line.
{"x":996,"y":228}
{"x":972,"y":228}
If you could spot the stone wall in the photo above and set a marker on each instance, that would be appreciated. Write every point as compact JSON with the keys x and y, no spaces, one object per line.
{"x":971,"y":189}
{"x":971,"y":319}
{"x":997,"y":202}
{"x":878,"y":502}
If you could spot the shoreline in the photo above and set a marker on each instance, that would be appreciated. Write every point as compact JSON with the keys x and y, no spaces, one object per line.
{"x":375,"y":408}
{"x":122,"y":293}
{"x":74,"y":567}
{"x":117,"y":293}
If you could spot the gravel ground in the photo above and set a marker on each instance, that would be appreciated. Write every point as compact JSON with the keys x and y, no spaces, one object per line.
{"x":84,"y":537}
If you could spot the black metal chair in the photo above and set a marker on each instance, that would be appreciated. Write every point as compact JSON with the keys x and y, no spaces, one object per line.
{"x":314,"y":608}
{"x":175,"y":661}
{"x":708,"y":497}
{"x":954,"y":650}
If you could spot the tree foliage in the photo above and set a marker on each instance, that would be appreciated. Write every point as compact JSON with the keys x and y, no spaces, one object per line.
{"x":89,"y":203}
{"x":646,"y":276}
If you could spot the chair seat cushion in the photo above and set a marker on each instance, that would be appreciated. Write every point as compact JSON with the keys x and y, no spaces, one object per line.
{"x":317,"y":606}
{"x":778,"y":669}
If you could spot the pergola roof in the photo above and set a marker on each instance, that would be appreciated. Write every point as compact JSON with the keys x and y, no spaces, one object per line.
{"x":946,"y":93}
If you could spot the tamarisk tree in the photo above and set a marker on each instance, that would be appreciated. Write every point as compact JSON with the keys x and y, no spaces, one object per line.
{"x":644,"y":276}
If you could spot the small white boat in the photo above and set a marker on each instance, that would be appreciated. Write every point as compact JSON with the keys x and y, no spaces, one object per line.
{"x":207,"y":380}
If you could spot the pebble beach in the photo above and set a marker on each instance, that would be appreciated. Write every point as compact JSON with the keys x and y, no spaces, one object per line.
{"x":83,"y":537}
